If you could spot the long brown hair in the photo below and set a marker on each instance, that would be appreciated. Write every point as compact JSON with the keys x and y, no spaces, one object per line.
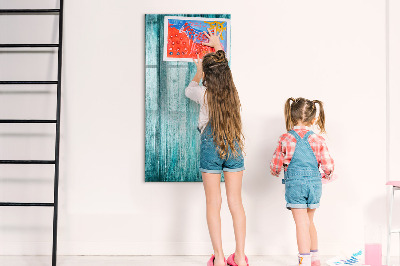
{"x":303,"y":110}
{"x":223,"y":104}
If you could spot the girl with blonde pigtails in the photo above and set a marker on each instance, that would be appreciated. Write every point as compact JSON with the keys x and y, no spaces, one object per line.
{"x":302,"y":154}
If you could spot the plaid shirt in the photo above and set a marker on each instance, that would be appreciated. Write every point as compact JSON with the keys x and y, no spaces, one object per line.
{"x":287,"y":144}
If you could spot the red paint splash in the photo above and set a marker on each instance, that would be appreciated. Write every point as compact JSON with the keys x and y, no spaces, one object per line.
{"x":180,"y":46}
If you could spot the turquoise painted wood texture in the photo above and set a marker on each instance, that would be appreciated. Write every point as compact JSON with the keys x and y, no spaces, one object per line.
{"x":172,"y":141}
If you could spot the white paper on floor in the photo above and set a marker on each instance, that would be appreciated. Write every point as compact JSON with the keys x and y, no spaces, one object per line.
{"x":350,"y":258}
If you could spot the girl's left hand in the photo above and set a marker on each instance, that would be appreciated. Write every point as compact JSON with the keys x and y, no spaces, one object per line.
{"x":199,"y":73}
{"x":198,"y":64}
{"x":273,"y":173}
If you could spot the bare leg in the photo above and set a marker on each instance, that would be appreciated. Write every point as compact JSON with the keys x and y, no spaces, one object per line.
{"x":211,"y":183}
{"x":302,"y":221}
{"x":233,"y":184}
{"x":313,"y":230}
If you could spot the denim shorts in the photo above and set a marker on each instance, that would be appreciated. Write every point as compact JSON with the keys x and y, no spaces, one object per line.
{"x":211,"y":161}
{"x":303,"y":193}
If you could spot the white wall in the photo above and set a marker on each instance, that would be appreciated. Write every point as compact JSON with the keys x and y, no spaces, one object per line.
{"x":333,"y":51}
{"x":394,"y":110}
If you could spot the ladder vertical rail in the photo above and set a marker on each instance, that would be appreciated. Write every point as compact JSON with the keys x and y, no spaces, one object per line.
{"x":57,"y":141}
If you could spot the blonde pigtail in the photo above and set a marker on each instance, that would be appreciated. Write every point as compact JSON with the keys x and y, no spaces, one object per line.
{"x":288,"y":114}
{"x":321,"y":116}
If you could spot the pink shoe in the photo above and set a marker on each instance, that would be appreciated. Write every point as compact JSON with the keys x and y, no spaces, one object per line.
{"x":211,"y":261}
{"x":231,"y":260}
{"x":316,"y":263}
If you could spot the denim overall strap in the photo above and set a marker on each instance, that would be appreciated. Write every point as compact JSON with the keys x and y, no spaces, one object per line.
{"x":305,"y":138}
{"x":207,"y":131}
{"x":303,"y":164}
{"x":294,"y":134}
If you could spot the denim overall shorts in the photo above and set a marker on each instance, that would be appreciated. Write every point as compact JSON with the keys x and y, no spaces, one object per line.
{"x":303,"y":186}
{"x":211,"y":161}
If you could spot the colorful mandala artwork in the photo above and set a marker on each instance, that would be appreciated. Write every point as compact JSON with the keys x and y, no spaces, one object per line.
{"x":183,"y":37}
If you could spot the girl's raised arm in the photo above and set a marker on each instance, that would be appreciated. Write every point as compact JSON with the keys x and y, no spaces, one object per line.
{"x":199,"y":72}
{"x":194,"y":91}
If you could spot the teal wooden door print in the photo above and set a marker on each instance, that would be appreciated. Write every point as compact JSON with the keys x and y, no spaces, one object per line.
{"x":172,"y":140}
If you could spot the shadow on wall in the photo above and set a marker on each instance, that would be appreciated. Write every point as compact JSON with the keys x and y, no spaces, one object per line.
{"x":189,"y":205}
{"x":263,"y":193}
{"x":376,"y":221}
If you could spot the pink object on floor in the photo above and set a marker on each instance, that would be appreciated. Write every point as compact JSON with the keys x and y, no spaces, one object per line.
{"x":333,"y":178}
{"x":316,"y":263}
{"x":211,"y":261}
{"x":393,"y":183}
{"x":231,"y":260}
{"x":373,"y":254}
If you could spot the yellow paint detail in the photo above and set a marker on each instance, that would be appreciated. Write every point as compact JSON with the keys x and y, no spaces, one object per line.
{"x":219,"y":26}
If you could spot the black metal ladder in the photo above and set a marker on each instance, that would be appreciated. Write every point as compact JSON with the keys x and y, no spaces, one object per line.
{"x":57,"y":82}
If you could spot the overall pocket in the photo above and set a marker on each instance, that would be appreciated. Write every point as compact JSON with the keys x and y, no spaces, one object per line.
{"x":293,"y":190}
{"x":317,"y":187}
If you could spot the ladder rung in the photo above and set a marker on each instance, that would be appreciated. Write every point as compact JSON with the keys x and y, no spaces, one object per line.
{"x":6,"y":11}
{"x":33,"y":45}
{"x":29,"y":82}
{"x":27,"y":161}
{"x":395,"y":231}
{"x":27,"y":121}
{"x":33,"y":204}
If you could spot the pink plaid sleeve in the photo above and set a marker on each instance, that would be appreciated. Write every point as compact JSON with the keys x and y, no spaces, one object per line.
{"x":278,"y":157}
{"x":325,"y":160}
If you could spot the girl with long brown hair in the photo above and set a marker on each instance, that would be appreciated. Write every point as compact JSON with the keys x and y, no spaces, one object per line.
{"x":302,"y":153}
{"x":221,"y":147}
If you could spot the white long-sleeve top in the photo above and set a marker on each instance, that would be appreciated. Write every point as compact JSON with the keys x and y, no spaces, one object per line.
{"x":196,"y":93}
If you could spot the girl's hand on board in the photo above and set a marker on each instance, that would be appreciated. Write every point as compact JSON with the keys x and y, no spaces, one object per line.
{"x":213,"y":39}
{"x":199,"y":66}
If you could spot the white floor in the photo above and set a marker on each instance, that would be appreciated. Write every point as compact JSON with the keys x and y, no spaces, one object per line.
{"x":143,"y":260}
{"x":135,"y":260}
